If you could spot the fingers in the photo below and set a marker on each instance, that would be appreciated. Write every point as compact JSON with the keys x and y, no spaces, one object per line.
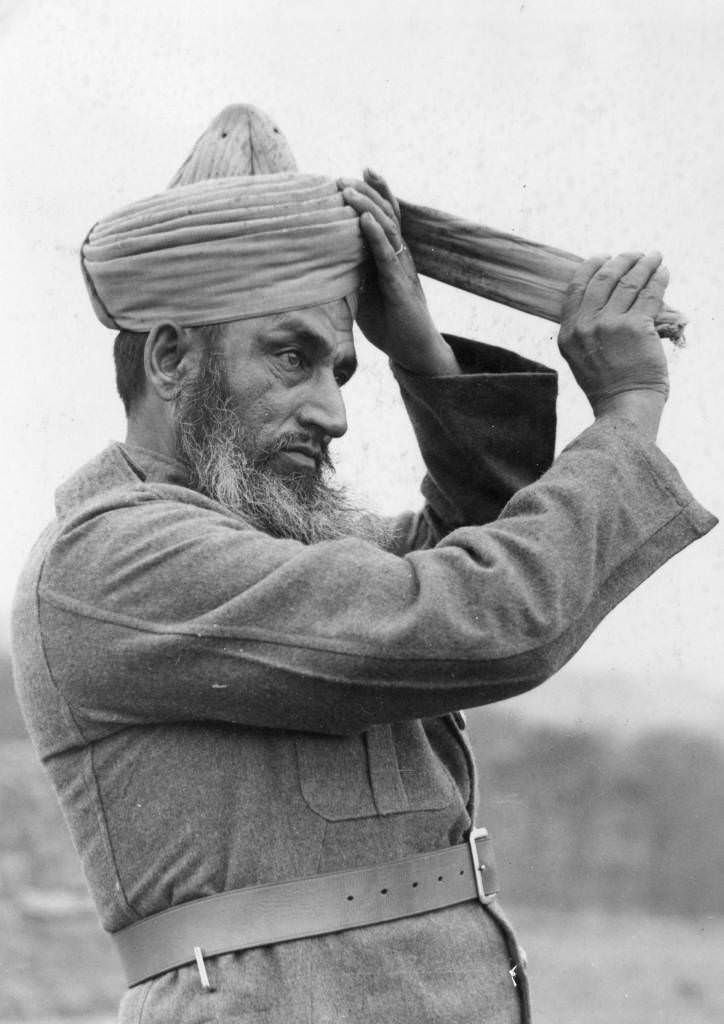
{"x":376,"y":187}
{"x":578,"y":285}
{"x":608,"y":278}
{"x":373,"y":196}
{"x":381,"y":186}
{"x":364,"y":199}
{"x":383,"y":252}
{"x":364,"y":188}
{"x":628,"y":282}
{"x":620,"y":282}
{"x":651,"y":297}
{"x":630,"y":286}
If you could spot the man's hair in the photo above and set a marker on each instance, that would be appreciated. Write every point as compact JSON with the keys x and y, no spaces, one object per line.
{"x":128,"y":358}
{"x":130,"y":376}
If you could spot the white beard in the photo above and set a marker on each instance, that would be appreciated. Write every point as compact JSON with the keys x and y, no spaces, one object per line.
{"x":226,"y":464}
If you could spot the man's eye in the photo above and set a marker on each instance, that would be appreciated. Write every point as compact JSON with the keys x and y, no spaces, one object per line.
{"x":293,"y":359}
{"x":341,"y":379}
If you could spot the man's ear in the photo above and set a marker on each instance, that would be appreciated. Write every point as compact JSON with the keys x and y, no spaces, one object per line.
{"x":169,"y":354}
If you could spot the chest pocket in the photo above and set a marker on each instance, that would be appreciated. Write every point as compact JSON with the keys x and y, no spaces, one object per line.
{"x":389,"y":769}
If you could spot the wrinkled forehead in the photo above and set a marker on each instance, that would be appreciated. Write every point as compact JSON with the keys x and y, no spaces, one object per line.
{"x":331,"y":320}
{"x":335,"y":316}
{"x":326,"y":327}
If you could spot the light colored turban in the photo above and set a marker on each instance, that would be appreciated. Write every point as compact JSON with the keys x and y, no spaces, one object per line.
{"x":224,"y":249}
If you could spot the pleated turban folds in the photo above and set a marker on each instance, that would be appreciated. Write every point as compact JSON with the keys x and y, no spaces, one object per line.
{"x":224,"y":249}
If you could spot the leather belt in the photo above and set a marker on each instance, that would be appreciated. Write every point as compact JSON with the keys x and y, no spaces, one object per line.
{"x":265,"y":914}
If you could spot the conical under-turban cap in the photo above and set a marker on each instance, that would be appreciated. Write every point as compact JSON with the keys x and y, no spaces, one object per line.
{"x":224,"y":249}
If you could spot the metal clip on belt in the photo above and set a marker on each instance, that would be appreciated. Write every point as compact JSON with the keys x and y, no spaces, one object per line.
{"x":265,"y":914}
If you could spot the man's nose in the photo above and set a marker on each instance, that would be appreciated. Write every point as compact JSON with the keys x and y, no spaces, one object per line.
{"x":323,"y":407}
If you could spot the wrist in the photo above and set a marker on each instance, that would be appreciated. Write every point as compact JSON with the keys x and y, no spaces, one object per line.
{"x":641,"y":407}
{"x":429,"y":356}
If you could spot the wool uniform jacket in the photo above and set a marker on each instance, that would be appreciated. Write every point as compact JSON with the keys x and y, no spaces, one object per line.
{"x":217,"y":708}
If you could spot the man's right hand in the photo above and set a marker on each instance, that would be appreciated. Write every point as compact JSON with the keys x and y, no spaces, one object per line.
{"x":609,"y":339}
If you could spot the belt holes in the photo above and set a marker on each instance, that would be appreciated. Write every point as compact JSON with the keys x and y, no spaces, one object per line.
{"x":462,"y":872}
{"x":415,"y":885}
{"x":439,"y":878}
{"x":384,"y":891}
{"x":350,"y":897}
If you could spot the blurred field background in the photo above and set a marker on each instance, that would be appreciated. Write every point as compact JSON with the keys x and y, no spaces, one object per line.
{"x":611,"y":852}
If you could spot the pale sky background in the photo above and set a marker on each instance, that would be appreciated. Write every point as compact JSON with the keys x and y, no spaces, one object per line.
{"x":592,"y":129}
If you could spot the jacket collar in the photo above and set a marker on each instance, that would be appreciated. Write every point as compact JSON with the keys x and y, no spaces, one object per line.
{"x":117,"y":465}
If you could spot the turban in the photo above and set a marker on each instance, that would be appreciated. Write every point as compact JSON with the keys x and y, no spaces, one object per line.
{"x":224,"y":249}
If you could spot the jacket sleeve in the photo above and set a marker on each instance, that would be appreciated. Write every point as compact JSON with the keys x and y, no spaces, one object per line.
{"x":483,"y":435}
{"x":158,"y":607}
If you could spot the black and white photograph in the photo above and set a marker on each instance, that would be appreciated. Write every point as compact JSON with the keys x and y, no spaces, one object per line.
{"x":361,"y":579}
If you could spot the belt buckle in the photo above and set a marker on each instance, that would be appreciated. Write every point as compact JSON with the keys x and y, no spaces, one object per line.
{"x":478,"y":868}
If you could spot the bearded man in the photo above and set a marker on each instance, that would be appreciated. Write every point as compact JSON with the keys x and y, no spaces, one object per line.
{"x":246,"y":692}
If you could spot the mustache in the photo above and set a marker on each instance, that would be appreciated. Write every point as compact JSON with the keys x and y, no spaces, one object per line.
{"x":292,"y":440}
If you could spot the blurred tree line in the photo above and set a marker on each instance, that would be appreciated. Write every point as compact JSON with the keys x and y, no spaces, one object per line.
{"x":579,"y":817}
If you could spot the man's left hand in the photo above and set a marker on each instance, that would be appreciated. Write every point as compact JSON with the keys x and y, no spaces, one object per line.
{"x":392,"y":311}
